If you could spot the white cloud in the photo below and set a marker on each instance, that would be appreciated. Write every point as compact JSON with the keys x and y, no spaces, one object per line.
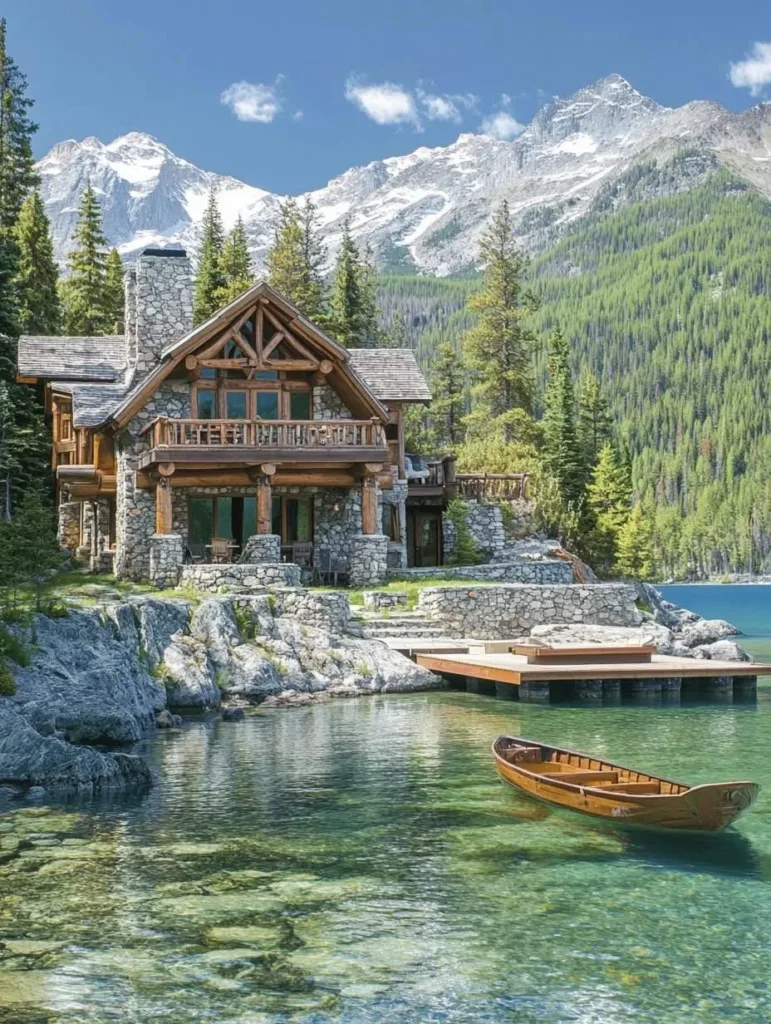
{"x":385,"y":103}
{"x":298,"y":115}
{"x":501,"y":125}
{"x":253,"y":101}
{"x":754,"y":72}
{"x":446,"y":107}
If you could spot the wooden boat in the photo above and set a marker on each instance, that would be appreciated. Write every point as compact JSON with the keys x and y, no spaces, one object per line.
{"x":579,"y":782}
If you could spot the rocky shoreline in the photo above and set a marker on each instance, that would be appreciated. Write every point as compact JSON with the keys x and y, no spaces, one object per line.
{"x":103,"y":678}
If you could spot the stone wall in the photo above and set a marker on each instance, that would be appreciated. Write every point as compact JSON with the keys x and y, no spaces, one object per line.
{"x":485,"y":523}
{"x":261,"y":547}
{"x":368,"y":560}
{"x":544,"y":572}
{"x":166,"y":554}
{"x":213,"y":578}
{"x":135,"y":522}
{"x":328,"y":611}
{"x":510,"y":610}
{"x":328,"y":405}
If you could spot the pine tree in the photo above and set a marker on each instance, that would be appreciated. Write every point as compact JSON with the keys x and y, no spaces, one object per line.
{"x":83,"y":292}
{"x":24,"y":449}
{"x":114,"y":295}
{"x":595,"y":423}
{"x":609,"y":497}
{"x":447,"y":380}
{"x":37,"y":276}
{"x":562,"y":455}
{"x":17,"y":170}
{"x":312,"y":297}
{"x":348,"y":293}
{"x":634,"y":543}
{"x":236,"y":263}
{"x":210,"y":281}
{"x":498,"y":350}
{"x":285,"y":260}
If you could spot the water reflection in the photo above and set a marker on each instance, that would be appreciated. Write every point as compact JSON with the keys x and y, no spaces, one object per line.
{"x":359,"y":861}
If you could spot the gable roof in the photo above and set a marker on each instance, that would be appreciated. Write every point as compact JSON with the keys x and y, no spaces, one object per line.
{"x":391,"y":374}
{"x":343,"y":377}
{"x":72,"y":358}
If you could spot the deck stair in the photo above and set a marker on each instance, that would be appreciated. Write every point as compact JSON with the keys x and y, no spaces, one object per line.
{"x":376,"y":626}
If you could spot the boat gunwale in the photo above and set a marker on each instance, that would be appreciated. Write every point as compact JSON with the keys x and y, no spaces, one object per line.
{"x":599,"y":791}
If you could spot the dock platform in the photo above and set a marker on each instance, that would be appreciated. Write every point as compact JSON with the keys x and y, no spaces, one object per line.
{"x":595,"y":678}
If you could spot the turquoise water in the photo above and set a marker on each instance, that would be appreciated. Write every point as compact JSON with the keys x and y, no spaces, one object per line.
{"x":359,"y":862}
{"x":747,"y":606}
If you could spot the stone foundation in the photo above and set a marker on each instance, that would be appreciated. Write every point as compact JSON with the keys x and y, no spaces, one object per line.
{"x":261,"y":547}
{"x":368,"y":560}
{"x":510,"y":610}
{"x":545,"y":572}
{"x":167,"y":551}
{"x":256,"y":576}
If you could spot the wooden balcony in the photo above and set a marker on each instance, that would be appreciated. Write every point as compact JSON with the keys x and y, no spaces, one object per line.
{"x":492,"y":486}
{"x":251,"y":441}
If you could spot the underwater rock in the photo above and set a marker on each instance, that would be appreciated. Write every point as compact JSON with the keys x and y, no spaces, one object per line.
{"x":232,"y":714}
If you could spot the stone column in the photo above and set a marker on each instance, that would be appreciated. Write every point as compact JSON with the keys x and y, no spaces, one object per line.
{"x":167,"y":553}
{"x":69,"y":526}
{"x":368,"y":560}
{"x":262,"y":547}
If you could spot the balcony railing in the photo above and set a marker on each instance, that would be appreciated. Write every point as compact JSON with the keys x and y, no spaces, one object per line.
{"x":269,"y":434}
{"x":492,"y":486}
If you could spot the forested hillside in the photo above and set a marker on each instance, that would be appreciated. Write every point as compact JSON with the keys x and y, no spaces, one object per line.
{"x":668,"y":300}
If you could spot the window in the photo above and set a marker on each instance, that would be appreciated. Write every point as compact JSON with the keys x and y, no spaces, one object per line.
{"x":206,"y":404}
{"x":208,"y":373}
{"x":237,"y":405}
{"x":298,"y":520}
{"x":266,"y":375}
{"x":267,"y":405}
{"x":299,"y":405}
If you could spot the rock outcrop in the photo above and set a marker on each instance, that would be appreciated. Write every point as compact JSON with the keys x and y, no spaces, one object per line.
{"x":100,"y":679}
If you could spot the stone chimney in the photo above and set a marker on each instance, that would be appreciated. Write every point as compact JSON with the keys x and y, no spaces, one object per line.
{"x":159,"y":305}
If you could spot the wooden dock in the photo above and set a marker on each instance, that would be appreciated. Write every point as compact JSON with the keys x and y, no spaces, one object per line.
{"x":590,"y":674}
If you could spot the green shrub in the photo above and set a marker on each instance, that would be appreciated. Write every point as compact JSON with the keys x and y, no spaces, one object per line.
{"x":7,"y":682}
{"x":465,"y":551}
{"x":246,"y":627}
{"x":13,"y":647}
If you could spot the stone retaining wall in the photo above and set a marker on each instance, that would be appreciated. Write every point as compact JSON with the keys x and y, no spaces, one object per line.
{"x":510,"y":610}
{"x":213,"y":578}
{"x":542,"y":573}
{"x":485,"y":524}
{"x":328,"y":611}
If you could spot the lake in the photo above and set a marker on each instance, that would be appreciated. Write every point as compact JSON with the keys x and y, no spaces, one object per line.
{"x":358,"y":862}
{"x":746,"y":606}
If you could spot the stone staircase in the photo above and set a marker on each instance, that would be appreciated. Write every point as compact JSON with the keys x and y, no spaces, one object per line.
{"x":375,"y":625}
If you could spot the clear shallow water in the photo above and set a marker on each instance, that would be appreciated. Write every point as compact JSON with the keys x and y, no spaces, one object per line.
{"x":747,"y":606}
{"x":359,"y":862}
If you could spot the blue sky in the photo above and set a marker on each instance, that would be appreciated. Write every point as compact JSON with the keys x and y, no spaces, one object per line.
{"x":312,"y":88}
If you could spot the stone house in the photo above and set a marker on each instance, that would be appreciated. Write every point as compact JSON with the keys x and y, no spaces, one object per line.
{"x":253,"y":439}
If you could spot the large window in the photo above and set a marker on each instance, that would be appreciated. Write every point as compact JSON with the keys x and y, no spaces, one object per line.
{"x":267,"y":405}
{"x":206,"y":404}
{"x":224,"y":399}
{"x":236,"y":519}
{"x":237,"y":405}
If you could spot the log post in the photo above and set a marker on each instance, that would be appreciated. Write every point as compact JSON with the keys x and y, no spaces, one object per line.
{"x":369,"y":523}
{"x":164,"y":517}
{"x":265,"y":498}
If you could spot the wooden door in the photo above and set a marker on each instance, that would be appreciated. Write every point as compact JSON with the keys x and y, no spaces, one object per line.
{"x":424,"y":537}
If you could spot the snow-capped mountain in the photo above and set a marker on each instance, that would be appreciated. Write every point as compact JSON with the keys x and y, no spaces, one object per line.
{"x":428,"y":207}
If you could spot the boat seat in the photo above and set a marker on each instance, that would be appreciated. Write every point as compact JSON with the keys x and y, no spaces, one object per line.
{"x":634,"y":787}
{"x":586,"y":778}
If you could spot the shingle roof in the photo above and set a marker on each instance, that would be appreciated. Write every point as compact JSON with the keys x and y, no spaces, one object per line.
{"x":72,"y":358}
{"x":93,"y":403}
{"x":391,"y":374}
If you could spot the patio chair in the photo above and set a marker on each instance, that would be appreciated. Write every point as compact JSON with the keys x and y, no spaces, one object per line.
{"x":339,"y":567}
{"x":322,"y":565}
{"x":195,"y":554}
{"x":221,"y":550}
{"x":302,"y":554}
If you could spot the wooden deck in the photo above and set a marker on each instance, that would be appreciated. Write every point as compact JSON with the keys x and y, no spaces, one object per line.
{"x":515,"y":669}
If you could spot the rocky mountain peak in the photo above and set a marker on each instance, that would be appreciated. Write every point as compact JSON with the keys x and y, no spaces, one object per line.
{"x":425,"y":208}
